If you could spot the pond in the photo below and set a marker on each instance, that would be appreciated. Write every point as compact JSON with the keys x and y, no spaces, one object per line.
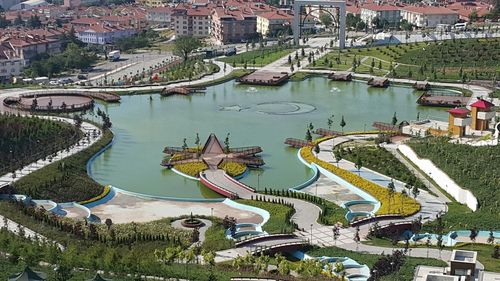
{"x":262,"y":116}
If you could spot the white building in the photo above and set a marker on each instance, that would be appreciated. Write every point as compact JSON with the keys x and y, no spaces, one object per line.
{"x":28,"y":5}
{"x":388,"y":13}
{"x":428,"y":16}
{"x":160,"y":16}
{"x":101,"y":35}
{"x":270,"y":23}
{"x":10,"y":64}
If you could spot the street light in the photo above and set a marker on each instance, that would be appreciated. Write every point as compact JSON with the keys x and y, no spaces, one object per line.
{"x":212,"y":211}
{"x":311,"y":233}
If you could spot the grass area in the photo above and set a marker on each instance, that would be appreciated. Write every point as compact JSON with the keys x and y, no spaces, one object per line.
{"x":279,"y":222}
{"x":190,"y":69}
{"x":473,"y":168}
{"x":259,"y":57}
{"x":302,"y":75}
{"x":335,"y":61}
{"x":215,"y":237}
{"x":27,"y":139}
{"x":380,"y":160}
{"x":406,"y":272}
{"x":65,"y":183}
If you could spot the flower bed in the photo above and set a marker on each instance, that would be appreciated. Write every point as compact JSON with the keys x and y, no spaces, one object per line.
{"x":105,"y":192}
{"x":233,"y":169}
{"x":192,"y":169}
{"x":395,"y":204}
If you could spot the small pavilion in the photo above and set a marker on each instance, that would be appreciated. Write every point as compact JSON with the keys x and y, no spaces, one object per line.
{"x":458,"y":120}
{"x":28,"y":275}
{"x":481,"y":114}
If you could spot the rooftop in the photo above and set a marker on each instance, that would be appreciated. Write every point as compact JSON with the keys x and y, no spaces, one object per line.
{"x":459,"y":111}
{"x":375,"y":7}
{"x":463,"y":256}
{"x":482,"y":104}
{"x":429,"y":10}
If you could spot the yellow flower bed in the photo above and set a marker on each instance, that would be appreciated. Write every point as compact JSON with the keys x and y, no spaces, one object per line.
{"x":233,"y":169}
{"x":191,"y":169}
{"x":105,"y":192}
{"x":397,"y":204}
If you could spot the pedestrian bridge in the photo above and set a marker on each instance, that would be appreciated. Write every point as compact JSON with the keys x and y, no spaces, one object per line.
{"x":220,"y":182}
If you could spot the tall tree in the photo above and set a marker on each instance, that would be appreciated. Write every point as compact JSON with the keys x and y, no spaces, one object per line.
{"x":184,"y":45}
{"x":342,"y":123}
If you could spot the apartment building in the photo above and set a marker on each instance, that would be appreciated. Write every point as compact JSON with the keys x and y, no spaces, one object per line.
{"x":160,"y":16}
{"x":233,"y":25}
{"x":428,"y":16}
{"x":271,"y":23}
{"x":385,"y":13}
{"x":10,"y":64}
{"x":191,"y":20}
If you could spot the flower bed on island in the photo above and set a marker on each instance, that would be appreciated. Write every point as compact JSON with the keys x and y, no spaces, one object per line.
{"x":233,"y":169}
{"x":191,"y":169}
{"x":396,"y":203}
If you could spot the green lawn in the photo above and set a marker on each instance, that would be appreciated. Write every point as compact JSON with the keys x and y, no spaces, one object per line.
{"x":334,"y":60}
{"x":215,"y":237}
{"x":404,"y":274}
{"x":279,"y":222}
{"x":259,"y":57}
{"x":495,"y":94}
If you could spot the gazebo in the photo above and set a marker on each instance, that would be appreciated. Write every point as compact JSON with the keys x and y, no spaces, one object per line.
{"x":28,"y":275}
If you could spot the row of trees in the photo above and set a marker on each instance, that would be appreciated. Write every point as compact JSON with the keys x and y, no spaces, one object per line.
{"x":74,"y":57}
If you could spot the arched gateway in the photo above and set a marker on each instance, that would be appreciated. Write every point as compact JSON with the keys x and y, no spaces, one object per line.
{"x":297,"y":21}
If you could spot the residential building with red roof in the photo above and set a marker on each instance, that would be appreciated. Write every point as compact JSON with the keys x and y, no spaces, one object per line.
{"x":465,"y":9}
{"x":233,"y":24}
{"x":271,"y":23}
{"x":428,"y":16}
{"x":385,"y":13}
{"x":191,"y":20}
{"x":102,"y":34}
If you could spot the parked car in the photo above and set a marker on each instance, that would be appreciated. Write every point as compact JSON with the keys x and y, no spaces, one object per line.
{"x":81,"y":77}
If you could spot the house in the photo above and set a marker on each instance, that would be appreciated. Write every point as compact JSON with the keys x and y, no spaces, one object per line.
{"x":271,"y":23}
{"x":428,"y":16}
{"x":11,"y":65}
{"x":102,"y":34}
{"x":385,"y":13}
{"x":160,"y":16}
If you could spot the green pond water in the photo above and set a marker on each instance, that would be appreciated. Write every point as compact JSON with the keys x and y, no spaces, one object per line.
{"x":263,"y":116}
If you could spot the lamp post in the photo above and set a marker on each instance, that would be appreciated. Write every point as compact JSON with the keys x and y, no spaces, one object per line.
{"x":311,"y":233}
{"x":212,"y":211}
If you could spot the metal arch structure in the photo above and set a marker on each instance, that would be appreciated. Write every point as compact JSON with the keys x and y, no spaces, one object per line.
{"x":340,"y":5}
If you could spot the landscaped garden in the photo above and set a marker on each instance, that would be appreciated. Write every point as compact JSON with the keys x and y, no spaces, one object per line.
{"x":279,"y":222}
{"x":473,"y":168}
{"x":463,"y":59}
{"x":397,"y":267}
{"x":65,"y":180}
{"x":391,"y":202}
{"x":380,"y":160}
{"x":259,"y":57}
{"x":27,"y":139}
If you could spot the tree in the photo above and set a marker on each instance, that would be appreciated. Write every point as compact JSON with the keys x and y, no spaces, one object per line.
{"x":415,"y":191}
{"x":342,"y":123}
{"x":316,"y":148}
{"x":184,"y":45}
{"x":358,"y":164}
{"x":326,"y":19}
{"x":308,"y":135}
{"x":4,"y":22}
{"x":392,"y":190}
{"x":330,"y":121}
{"x":394,"y":119}
{"x":18,"y":21}
{"x":226,"y":144}
{"x":356,"y":237}
{"x":428,"y":244}
{"x":108,"y":222}
{"x":338,"y":155}
{"x":473,"y":234}
{"x":336,"y":234}
{"x":491,"y":237}
{"x":34,"y":22}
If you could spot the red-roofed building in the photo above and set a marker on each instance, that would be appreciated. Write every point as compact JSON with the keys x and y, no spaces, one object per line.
{"x":271,"y":23}
{"x":465,"y":9}
{"x":191,"y":21}
{"x":481,"y":114}
{"x":458,"y":120}
{"x":428,"y":16}
{"x":385,"y":13}
{"x":11,"y":64}
{"x":233,"y":24}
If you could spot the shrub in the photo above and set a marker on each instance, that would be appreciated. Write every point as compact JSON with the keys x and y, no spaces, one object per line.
{"x":233,"y":169}
{"x":192,"y":169}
